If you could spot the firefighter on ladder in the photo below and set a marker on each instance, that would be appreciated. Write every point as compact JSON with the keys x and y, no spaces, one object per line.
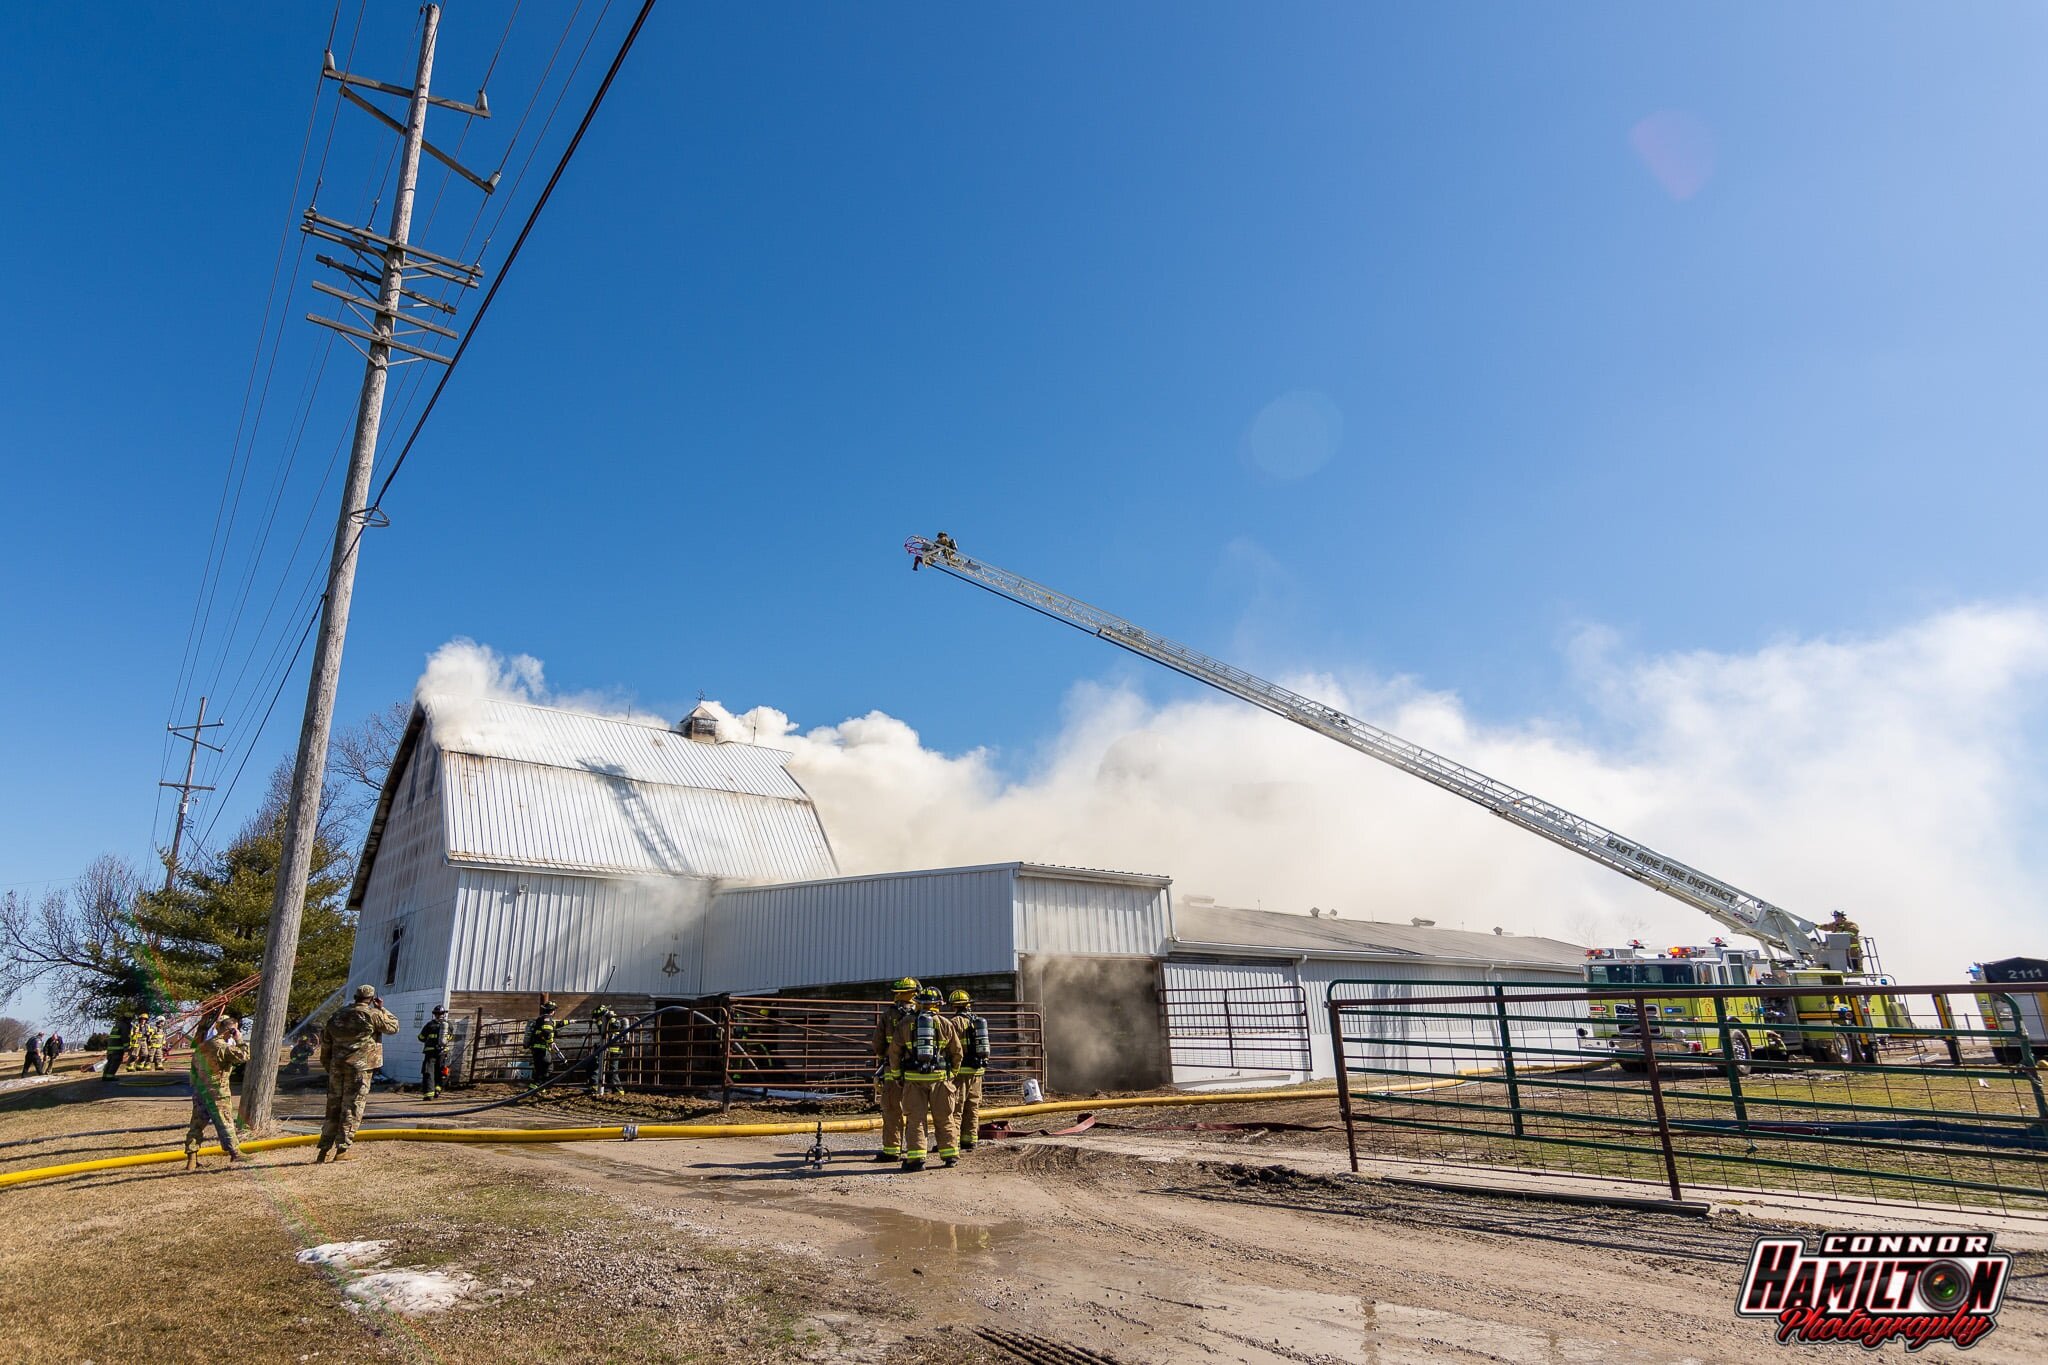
{"x":974,"y":1053}
{"x":924,"y":1049}
{"x":889,"y":1080}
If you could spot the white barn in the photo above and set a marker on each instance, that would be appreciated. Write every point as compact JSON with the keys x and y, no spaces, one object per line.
{"x":520,"y":849}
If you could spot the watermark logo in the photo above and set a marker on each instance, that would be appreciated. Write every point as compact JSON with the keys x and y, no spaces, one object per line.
{"x":1875,"y":1287}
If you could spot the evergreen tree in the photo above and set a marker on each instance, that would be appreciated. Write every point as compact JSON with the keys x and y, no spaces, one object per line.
{"x":206,"y":934}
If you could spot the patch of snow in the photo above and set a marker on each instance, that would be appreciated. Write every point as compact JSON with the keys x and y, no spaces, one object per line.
{"x":347,"y":1255}
{"x":410,"y":1292}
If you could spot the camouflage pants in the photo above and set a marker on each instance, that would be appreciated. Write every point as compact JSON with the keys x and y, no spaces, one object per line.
{"x":348,"y":1090}
{"x":967,"y":1109}
{"x":931,"y":1100}
{"x":215,"y":1109}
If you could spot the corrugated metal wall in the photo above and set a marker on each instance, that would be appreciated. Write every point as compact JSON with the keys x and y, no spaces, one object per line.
{"x":956,"y":922}
{"x":411,"y":887}
{"x":528,"y":931}
{"x":1059,"y":915}
{"x":1193,"y":1063}
{"x":1389,"y":1035}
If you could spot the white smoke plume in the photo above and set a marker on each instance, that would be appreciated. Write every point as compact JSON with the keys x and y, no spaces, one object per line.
{"x":1894,"y":776}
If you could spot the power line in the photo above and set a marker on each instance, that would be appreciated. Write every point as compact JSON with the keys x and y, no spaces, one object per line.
{"x":512,"y":256}
{"x":219,"y":806}
{"x":194,"y":646}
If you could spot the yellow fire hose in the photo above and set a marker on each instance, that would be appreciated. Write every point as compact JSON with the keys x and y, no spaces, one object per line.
{"x":659,"y":1130}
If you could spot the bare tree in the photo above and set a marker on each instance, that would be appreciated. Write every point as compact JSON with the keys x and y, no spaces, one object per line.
{"x":360,"y":757}
{"x":74,"y":940}
{"x":13,"y":1032}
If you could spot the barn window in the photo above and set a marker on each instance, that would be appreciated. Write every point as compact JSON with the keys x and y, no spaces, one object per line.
{"x":391,"y":963}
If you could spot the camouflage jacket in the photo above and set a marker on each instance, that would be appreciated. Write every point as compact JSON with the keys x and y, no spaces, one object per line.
{"x":214,"y":1060}
{"x":351,"y":1037}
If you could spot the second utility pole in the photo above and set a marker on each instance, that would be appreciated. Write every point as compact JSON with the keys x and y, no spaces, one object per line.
{"x":302,"y":818}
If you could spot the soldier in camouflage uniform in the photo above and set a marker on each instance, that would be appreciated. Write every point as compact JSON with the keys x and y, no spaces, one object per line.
{"x":350,"y":1044}
{"x":213,"y":1061}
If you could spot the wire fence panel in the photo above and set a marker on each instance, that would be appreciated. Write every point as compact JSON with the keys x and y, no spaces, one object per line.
{"x":749,"y":1045}
{"x":789,"y":1043}
{"x":1922,"y":1093}
{"x":1237,"y":1028}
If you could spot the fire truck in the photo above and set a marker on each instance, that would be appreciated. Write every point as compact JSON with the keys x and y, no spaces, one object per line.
{"x":1773,"y":1028}
{"x":1795,"y":951}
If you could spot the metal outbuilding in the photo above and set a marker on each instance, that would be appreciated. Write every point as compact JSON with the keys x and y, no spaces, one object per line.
{"x":1246,"y":992}
{"x":1083,"y":944}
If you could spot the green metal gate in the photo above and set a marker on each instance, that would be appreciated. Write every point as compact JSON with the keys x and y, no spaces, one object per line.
{"x":1908,"y":1094}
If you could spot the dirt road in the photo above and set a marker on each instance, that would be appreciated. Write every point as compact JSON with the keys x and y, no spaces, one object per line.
{"x":1226,"y":1260}
{"x":1146,"y":1244}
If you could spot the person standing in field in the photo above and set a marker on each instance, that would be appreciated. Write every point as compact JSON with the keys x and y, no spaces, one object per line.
{"x":351,"y":1044}
{"x":214,"y":1059}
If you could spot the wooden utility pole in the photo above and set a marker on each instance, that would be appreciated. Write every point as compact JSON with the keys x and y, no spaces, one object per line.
{"x":185,"y":789}
{"x":396,"y":261}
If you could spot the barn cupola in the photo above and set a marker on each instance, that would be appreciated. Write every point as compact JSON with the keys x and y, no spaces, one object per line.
{"x":701,"y":725}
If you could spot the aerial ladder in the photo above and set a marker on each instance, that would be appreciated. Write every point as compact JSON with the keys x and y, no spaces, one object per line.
{"x":1798,"y":942}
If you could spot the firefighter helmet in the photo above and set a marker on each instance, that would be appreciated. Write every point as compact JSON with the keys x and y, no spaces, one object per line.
{"x":905,"y":986}
{"x":960,"y":998}
{"x":928,"y":996}
{"x":547,"y":1006}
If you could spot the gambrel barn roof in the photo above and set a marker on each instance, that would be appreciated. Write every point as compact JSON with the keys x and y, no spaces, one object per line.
{"x":524,"y":786}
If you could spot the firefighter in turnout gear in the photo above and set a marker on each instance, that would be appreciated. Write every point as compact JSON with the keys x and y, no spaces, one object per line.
{"x":540,"y":1040}
{"x":434,"y":1053}
{"x":889,"y":1082}
{"x":611,"y":1029}
{"x":117,"y":1047}
{"x":924,"y":1049}
{"x":974,"y":1053}
{"x":352,"y":1048}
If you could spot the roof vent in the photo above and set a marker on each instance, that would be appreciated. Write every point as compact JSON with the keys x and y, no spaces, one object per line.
{"x":1421,"y":923}
{"x":1315,"y":912}
{"x":700,"y":725}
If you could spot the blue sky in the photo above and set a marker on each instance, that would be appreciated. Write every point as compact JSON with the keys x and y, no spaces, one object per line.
{"x":825,"y":276}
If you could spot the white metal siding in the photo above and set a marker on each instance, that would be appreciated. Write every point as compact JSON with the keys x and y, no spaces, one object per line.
{"x":1059,"y":915}
{"x":1270,"y":978}
{"x":410,"y":883}
{"x":402,"y":1049}
{"x":950,"y":923}
{"x":526,"y":931}
{"x":1392,"y":1041}
{"x":507,"y":813}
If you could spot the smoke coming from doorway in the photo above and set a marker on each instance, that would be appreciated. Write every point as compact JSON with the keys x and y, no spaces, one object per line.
{"x":1895,"y":776}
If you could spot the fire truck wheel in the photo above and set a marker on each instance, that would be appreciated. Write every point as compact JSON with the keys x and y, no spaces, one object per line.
{"x":1738,"y":1048}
